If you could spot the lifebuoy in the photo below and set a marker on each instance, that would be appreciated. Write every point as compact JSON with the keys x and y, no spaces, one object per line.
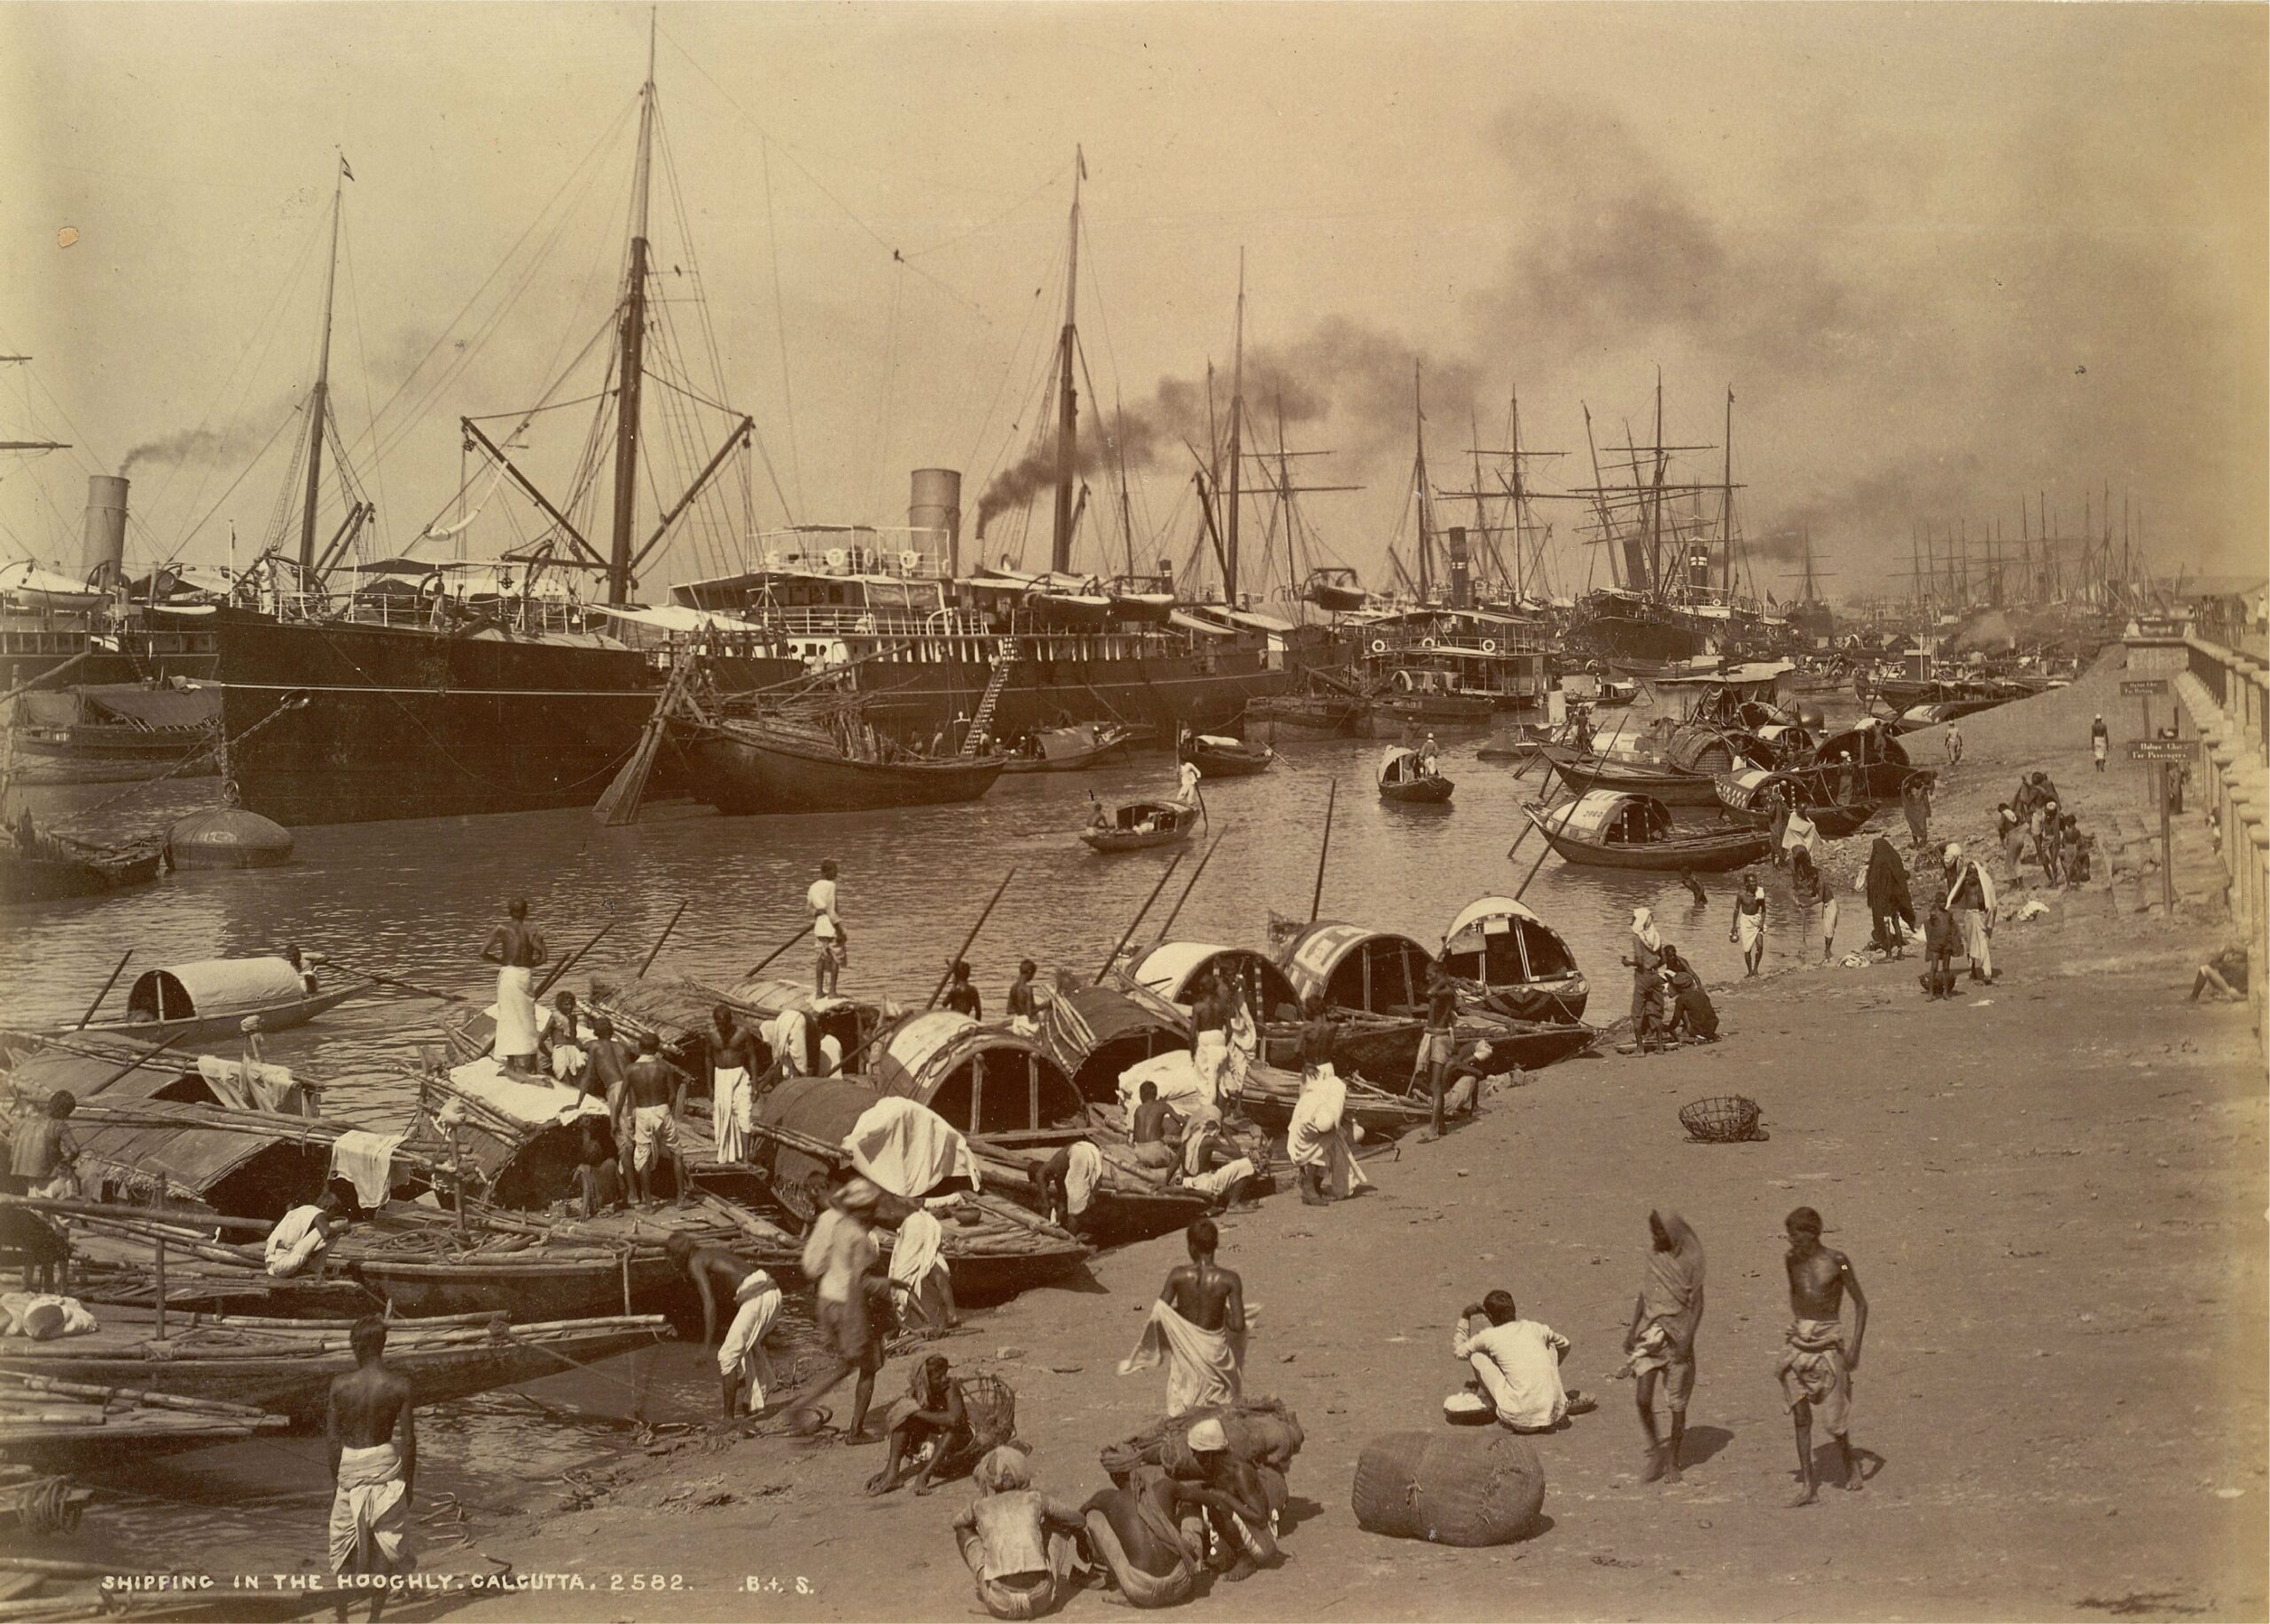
{"x":1426,"y":643}
{"x":1379,"y":645}
{"x":1488,"y":645}
{"x":1402,"y":681}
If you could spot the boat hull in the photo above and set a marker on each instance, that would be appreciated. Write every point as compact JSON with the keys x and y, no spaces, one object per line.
{"x":215,"y":1028}
{"x":1671,"y":786}
{"x":51,"y":879}
{"x":740,"y":769}
{"x":1713,"y":853}
{"x":1430,"y":792}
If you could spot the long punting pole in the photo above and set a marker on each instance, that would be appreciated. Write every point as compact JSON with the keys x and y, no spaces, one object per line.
{"x":116,"y":971}
{"x":1190,"y":884}
{"x":631,"y":345}
{"x":1237,"y":453}
{"x":1323,"y":850}
{"x":1128,"y":935}
{"x":961,"y":951}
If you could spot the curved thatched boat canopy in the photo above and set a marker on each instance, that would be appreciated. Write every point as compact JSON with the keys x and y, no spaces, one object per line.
{"x":1095,"y":1033}
{"x":1866,"y":741}
{"x":1600,"y":816}
{"x":1354,"y":967}
{"x":525,"y":1139}
{"x":1716,"y":750}
{"x":1499,"y":943}
{"x":852,"y":1024}
{"x":1173,"y":970}
{"x":982,"y":1079}
{"x":214,"y":986}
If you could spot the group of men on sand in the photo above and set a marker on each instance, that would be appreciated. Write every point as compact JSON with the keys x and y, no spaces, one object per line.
{"x":1516,"y":1362}
{"x":1669,"y":1004}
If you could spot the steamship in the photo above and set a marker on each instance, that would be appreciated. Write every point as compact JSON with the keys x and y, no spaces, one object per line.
{"x":89,"y":632}
{"x":422,"y":702}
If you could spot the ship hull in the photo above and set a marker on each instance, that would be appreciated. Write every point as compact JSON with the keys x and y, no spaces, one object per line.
{"x":401,"y":722}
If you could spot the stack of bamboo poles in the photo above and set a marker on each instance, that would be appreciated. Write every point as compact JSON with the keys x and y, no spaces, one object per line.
{"x":32,"y":1406}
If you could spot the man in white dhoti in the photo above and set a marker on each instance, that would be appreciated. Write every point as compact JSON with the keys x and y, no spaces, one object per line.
{"x":1200,"y":1144}
{"x":516,"y":947}
{"x":731,"y":1051}
{"x":1210,"y":1047}
{"x":1197,"y":1328}
{"x":744,"y":1369}
{"x":373,"y":1442}
{"x":921,"y":1285}
{"x":1317,"y":1139}
{"x":1187,"y":790}
{"x":1068,"y":1181}
{"x":300,"y":1238}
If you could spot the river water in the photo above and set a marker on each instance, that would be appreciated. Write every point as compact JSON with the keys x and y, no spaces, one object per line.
{"x":417,"y":899}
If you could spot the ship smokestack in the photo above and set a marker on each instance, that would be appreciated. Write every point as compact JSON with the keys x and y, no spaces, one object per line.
{"x":1461,"y":570}
{"x":934,"y":512}
{"x":102,"y":549}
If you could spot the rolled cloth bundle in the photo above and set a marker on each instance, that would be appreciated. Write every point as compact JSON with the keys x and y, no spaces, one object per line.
{"x":1265,"y":1432}
{"x":1453,"y":1487}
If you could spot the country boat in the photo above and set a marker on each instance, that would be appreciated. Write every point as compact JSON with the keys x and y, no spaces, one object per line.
{"x":49,"y":867}
{"x":1515,"y":962}
{"x":1618,"y":829}
{"x":1070,"y":749}
{"x":1218,"y":756}
{"x":210,"y":1000}
{"x":65,"y":1423}
{"x":1748,"y":796}
{"x":113,"y":733}
{"x":287,"y":1367}
{"x":1336,"y":715}
{"x":1141,"y":824}
{"x":1681,"y":774}
{"x":1408,"y":777}
{"x":1364,"y":975}
{"x":771,"y":764}
{"x":1519,"y":743}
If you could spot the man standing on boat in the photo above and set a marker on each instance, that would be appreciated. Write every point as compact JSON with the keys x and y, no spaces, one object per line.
{"x":516,"y":947}
{"x":1209,"y":1044}
{"x":1188,"y":777}
{"x":1023,"y":1004}
{"x":827,"y":931}
{"x":655,"y":1097}
{"x":731,"y":1051}
{"x":373,"y":1442}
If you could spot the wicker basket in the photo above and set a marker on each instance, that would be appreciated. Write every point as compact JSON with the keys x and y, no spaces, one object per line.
{"x":1451,"y":1487}
{"x":1722,"y":1119}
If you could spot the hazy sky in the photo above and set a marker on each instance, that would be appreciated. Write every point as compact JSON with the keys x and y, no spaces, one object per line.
{"x":1941,"y":255}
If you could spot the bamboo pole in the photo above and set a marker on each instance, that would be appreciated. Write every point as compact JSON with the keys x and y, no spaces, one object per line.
{"x":776,"y":953}
{"x":388,"y":980}
{"x":1190,"y":885}
{"x":1323,"y":850}
{"x":665,"y":936}
{"x":940,"y":988}
{"x":116,"y":970}
{"x":551,"y":978}
{"x":1129,"y":935}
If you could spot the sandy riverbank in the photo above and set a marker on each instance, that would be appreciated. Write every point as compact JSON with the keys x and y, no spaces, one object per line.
{"x":2052,"y":1190}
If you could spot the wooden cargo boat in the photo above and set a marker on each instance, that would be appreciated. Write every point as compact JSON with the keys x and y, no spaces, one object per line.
{"x":1220,"y":756}
{"x":1142,"y":825}
{"x":1404,"y":779}
{"x":1617,"y":829}
{"x":285,"y":1367}
{"x":1674,"y":786}
{"x":209,"y":1001}
{"x":1333,"y":715}
{"x":1747,"y":797}
{"x":50,"y":867}
{"x":740,"y":765}
{"x":55,"y":1423}
{"x":1514,"y":963}
{"x":1071,"y":749}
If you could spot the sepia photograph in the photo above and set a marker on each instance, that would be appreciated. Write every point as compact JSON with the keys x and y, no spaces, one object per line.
{"x":940,"y":809}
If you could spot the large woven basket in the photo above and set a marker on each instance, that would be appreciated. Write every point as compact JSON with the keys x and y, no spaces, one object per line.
{"x":1722,"y":1119}
{"x":1453,"y":1487}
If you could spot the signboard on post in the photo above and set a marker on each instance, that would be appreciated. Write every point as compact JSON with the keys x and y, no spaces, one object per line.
{"x":2144,"y":687}
{"x":2164,"y":750}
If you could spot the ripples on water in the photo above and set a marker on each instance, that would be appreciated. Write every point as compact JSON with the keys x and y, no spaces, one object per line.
{"x":418,"y":899}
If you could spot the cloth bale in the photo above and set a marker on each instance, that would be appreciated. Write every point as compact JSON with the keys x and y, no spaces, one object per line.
{"x":1453,"y":1487}
{"x":1264,"y":1431}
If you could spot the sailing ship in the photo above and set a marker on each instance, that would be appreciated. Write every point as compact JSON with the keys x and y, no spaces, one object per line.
{"x":433,"y":707}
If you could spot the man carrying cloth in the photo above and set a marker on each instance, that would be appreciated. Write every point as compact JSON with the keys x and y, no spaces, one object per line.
{"x":1660,"y":1339}
{"x":1816,"y":1369}
{"x":1197,"y":1328}
{"x":1317,"y":1139}
{"x":1970,"y":898}
{"x":516,"y":947}
{"x":372,"y":1443}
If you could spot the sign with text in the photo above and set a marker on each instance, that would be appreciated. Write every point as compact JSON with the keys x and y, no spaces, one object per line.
{"x":2139,"y":687}
{"x":2164,"y":750}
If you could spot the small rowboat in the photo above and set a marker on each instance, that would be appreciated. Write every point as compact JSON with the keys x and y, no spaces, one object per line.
{"x":1218,"y":756}
{"x":1747,"y":797}
{"x":1616,"y":828}
{"x":1073,"y":749}
{"x":209,"y":1002}
{"x":1141,"y":824}
{"x":56,"y":866}
{"x":1408,"y":777}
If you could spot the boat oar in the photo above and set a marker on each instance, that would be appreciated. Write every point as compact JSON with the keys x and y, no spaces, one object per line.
{"x":1600,"y":765}
{"x":664,"y":937}
{"x":776,"y":953}
{"x":1323,"y":850}
{"x":374,"y":977}
{"x":939,"y":990}
{"x":116,"y":971}
{"x":1129,"y":935}
{"x":568,"y":963}
{"x":139,"y":1061}
{"x":1167,"y":923}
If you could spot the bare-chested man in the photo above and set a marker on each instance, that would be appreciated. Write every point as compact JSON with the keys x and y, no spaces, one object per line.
{"x":1210,"y":1044}
{"x":657,"y":1095}
{"x":743,"y":1368}
{"x":373,"y":1442}
{"x":731,"y":1051}
{"x":1197,"y":1328}
{"x":1151,"y":1128}
{"x":1816,"y":1368}
{"x":516,"y":947}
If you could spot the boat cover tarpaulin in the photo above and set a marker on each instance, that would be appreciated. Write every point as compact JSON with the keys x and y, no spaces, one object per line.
{"x":1589,"y":814}
{"x":216,"y":987}
{"x":156,"y":709}
{"x":1491,"y":915}
{"x":1171,"y":971}
{"x":908,"y":1149}
{"x":1175,"y":1073}
{"x":1313,"y":956}
{"x":915,"y":1056}
{"x":1079,"y":1020}
{"x":533,"y":1105}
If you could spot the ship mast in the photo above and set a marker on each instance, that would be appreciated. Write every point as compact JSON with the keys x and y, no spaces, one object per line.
{"x":1727,"y":516}
{"x":319,"y":403}
{"x":1068,"y":406}
{"x":1236,"y":457}
{"x":632,"y":348}
{"x":1418,"y":482}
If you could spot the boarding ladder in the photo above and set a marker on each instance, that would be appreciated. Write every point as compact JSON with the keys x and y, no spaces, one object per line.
{"x":981,"y":723}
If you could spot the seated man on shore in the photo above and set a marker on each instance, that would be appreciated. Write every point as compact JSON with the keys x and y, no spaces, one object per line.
{"x":1137,"y":1531}
{"x":301,"y":1237}
{"x":1237,"y":1522}
{"x":1017,"y":1541}
{"x":2225,"y":975}
{"x":933,"y":1429}
{"x":1517,"y":1364}
{"x":1462,"y":1084}
{"x":1693,"y":1016}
